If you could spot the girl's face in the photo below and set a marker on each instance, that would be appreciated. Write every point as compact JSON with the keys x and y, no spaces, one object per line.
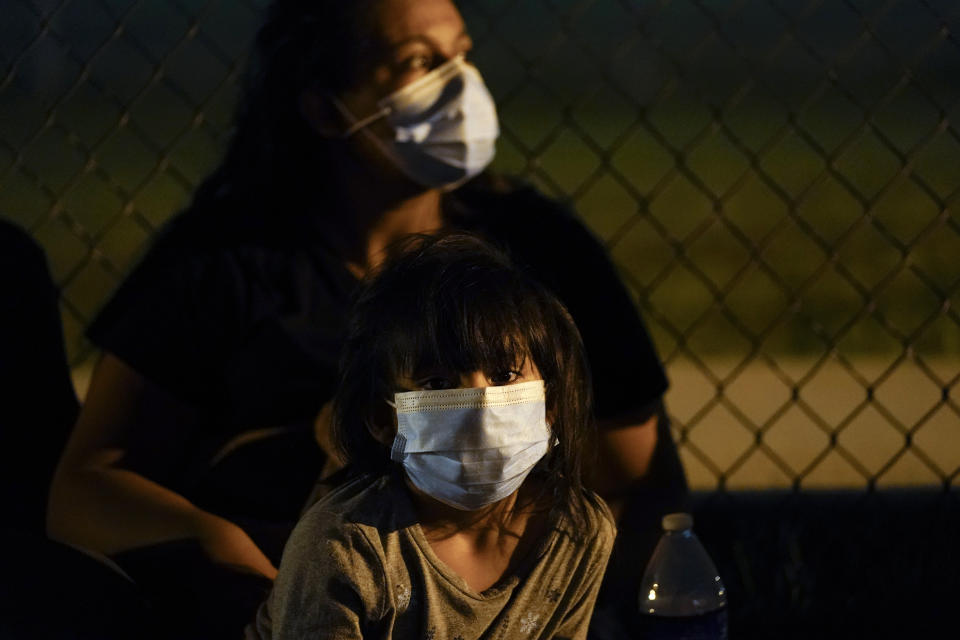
{"x":436,"y":379}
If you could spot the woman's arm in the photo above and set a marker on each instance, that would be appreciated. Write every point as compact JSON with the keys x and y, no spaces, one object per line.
{"x":625,"y":449}
{"x":97,"y":504}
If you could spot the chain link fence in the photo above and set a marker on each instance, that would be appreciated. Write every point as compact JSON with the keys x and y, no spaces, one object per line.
{"x":776,"y":180}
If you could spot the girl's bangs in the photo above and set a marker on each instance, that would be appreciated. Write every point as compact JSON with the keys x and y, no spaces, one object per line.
{"x":485,"y":328}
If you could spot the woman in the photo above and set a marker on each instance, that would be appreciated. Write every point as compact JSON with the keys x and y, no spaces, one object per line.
{"x":229,"y":331}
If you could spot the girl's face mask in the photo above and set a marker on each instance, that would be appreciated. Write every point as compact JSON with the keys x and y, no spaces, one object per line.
{"x":444,"y":125}
{"x":471,"y":447}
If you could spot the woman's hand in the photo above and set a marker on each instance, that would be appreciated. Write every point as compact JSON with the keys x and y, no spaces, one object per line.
{"x":96,"y":503}
{"x":228,"y":545}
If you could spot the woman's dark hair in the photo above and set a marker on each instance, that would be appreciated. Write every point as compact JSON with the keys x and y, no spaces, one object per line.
{"x":319,"y":45}
{"x":454,"y":303}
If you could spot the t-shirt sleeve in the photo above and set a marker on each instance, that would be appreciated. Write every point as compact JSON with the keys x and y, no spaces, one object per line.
{"x":626,"y":370}
{"x":174,"y":319}
{"x":329,"y":585}
{"x":588,"y":577}
{"x":628,"y":377}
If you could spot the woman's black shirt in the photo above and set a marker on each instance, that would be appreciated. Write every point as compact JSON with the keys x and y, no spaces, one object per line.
{"x":242,"y":318}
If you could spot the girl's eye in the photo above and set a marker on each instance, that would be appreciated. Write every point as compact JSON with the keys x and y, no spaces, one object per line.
{"x":504,"y":377}
{"x":436,"y":383}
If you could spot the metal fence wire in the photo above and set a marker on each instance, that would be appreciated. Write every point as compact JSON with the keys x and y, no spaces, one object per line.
{"x":776,"y":180}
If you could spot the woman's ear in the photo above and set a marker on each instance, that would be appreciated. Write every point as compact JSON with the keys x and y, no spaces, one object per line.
{"x":320,"y":113}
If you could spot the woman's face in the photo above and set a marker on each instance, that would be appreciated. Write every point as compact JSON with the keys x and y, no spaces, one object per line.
{"x":413,"y":37}
{"x":410,"y":38}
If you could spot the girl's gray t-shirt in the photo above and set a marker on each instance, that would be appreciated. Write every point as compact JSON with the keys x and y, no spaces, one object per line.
{"x":358,"y":566}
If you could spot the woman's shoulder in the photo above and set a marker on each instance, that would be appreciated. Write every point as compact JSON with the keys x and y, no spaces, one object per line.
{"x":226,"y":224}
{"x":532,"y":227}
{"x":212,"y":232}
{"x":493,"y":199}
{"x":221,"y":254}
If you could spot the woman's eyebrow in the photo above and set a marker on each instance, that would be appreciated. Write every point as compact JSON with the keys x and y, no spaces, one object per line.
{"x":424,"y":39}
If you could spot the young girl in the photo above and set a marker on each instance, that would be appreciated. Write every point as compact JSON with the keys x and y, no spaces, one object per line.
{"x":464,"y":411}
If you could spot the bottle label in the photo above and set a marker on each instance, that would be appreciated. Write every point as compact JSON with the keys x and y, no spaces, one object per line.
{"x":706,"y":626}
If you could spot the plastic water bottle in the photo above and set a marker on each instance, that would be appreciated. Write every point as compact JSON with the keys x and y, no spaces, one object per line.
{"x":681,"y":595}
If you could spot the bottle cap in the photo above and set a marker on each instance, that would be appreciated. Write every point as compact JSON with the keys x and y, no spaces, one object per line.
{"x":677,"y":521}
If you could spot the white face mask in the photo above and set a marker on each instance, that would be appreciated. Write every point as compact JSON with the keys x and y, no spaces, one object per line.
{"x":469,"y":448}
{"x":444,"y":123}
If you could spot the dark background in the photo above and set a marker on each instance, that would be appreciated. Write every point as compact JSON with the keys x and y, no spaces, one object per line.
{"x":777,"y":181}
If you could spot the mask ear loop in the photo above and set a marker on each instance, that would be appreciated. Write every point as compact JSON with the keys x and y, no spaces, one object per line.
{"x":359,"y":125}
{"x":399,"y":441}
{"x":356,"y":125}
{"x":449,"y":68}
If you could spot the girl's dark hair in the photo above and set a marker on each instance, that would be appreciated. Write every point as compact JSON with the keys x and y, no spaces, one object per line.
{"x":454,"y":303}
{"x":303,"y":44}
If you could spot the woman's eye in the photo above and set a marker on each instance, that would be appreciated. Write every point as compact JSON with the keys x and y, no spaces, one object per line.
{"x":417,"y":62}
{"x":504,"y":377}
